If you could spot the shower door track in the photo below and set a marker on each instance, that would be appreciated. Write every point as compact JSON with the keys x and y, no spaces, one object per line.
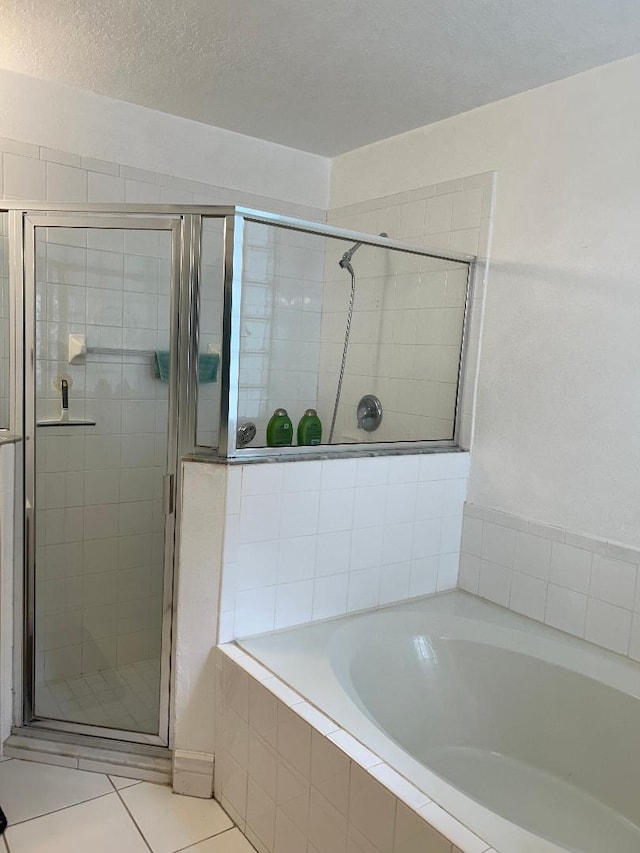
{"x":23,"y":223}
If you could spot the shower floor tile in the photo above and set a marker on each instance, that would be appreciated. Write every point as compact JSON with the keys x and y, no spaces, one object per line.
{"x":123,"y":698}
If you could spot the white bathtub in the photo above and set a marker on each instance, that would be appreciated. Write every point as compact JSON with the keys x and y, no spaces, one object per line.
{"x":529,"y":737}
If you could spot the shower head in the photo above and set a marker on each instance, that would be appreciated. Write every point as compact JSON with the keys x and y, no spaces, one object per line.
{"x":345,"y":260}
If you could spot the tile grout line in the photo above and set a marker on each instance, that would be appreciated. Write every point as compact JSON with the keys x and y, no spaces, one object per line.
{"x":135,"y":823}
{"x":209,"y":837}
{"x":62,"y":808}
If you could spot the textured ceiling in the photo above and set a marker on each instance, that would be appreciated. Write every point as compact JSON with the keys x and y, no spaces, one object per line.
{"x":324,"y":76}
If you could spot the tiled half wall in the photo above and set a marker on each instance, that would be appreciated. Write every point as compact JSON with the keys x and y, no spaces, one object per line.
{"x":293,"y":780}
{"x":584,"y":586}
{"x":313,"y":540}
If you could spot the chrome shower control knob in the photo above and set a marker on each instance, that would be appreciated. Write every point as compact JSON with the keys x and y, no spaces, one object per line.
{"x":369,"y":413}
{"x":246,"y":433}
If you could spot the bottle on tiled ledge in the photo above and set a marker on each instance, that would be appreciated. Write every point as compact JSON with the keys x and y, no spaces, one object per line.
{"x":279,"y":429}
{"x":309,"y":429}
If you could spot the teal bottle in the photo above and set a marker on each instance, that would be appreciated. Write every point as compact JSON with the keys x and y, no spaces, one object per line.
{"x":279,"y":429}
{"x":309,"y":428}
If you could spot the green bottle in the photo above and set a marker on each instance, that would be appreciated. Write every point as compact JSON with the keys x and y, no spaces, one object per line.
{"x":309,"y":428}
{"x":279,"y":429}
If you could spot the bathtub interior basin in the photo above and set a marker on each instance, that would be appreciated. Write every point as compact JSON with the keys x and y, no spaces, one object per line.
{"x":506,"y":723}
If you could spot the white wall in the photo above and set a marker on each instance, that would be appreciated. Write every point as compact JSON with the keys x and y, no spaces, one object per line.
{"x":57,"y":116}
{"x":557,"y":413}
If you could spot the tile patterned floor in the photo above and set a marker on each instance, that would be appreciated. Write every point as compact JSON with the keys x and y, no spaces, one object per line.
{"x":124,"y":698}
{"x":60,"y":810}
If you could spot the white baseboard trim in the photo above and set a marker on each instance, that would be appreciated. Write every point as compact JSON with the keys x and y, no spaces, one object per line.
{"x":193,"y":773}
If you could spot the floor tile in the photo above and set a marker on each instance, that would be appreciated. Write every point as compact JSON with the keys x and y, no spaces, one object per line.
{"x":120,"y":782}
{"x":232,"y":841}
{"x":170,"y":822}
{"x":28,"y":789}
{"x":99,"y":826}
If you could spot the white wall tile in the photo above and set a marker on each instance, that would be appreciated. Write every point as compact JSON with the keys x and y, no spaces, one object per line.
{"x":300,"y":514}
{"x":24,"y":177}
{"x":369,"y":505}
{"x":257,"y":564}
{"x":472,"y":536}
{"x":570,"y":567}
{"x":613,"y":581}
{"x":395,"y":580}
{"x":262,"y":479}
{"x":634,"y":645}
{"x":330,"y":596}
{"x":566,"y":610}
{"x":335,"y":510}
{"x":448,"y":566}
{"x":450,"y":534}
{"x":608,"y":626}
{"x":532,"y":555}
{"x":294,"y":603}
{"x":424,"y":576}
{"x":296,"y":558}
{"x":528,"y":596}
{"x":260,"y":517}
{"x":430,"y":499}
{"x":495,"y":582}
{"x":333,"y":552}
{"x":469,"y":573}
{"x":338,"y":474}
{"x":498,"y":544}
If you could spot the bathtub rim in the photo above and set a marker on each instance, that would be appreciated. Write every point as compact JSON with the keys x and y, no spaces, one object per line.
{"x":462,"y":839}
{"x":504,"y":834}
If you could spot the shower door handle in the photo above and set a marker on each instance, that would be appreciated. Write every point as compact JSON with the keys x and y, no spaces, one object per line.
{"x":167,"y":494}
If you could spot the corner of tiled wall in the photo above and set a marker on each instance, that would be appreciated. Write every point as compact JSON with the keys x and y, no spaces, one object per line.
{"x":582,"y":585}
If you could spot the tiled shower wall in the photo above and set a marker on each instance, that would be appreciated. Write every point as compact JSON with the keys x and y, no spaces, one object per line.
{"x":312,"y":540}
{"x":281,"y":316}
{"x":98,"y":605}
{"x":411,"y":359}
{"x":99,"y":522}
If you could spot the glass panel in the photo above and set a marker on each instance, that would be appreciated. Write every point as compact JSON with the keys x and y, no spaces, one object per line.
{"x":210,"y":318}
{"x":99,"y":513}
{"x":4,"y":322}
{"x":404,"y":346}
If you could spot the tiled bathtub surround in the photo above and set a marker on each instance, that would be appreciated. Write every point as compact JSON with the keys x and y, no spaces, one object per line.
{"x":312,"y":540}
{"x":294,"y":781}
{"x":585,"y":586}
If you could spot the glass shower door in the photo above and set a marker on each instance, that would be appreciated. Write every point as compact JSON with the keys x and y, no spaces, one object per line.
{"x":100,"y":471}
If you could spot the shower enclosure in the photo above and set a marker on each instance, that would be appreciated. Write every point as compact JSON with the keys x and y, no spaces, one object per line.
{"x":134,"y":336}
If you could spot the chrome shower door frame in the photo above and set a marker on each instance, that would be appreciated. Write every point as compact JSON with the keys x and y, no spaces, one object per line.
{"x":180,"y":228}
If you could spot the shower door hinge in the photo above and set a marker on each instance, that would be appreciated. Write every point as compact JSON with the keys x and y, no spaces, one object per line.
{"x":167,"y":494}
